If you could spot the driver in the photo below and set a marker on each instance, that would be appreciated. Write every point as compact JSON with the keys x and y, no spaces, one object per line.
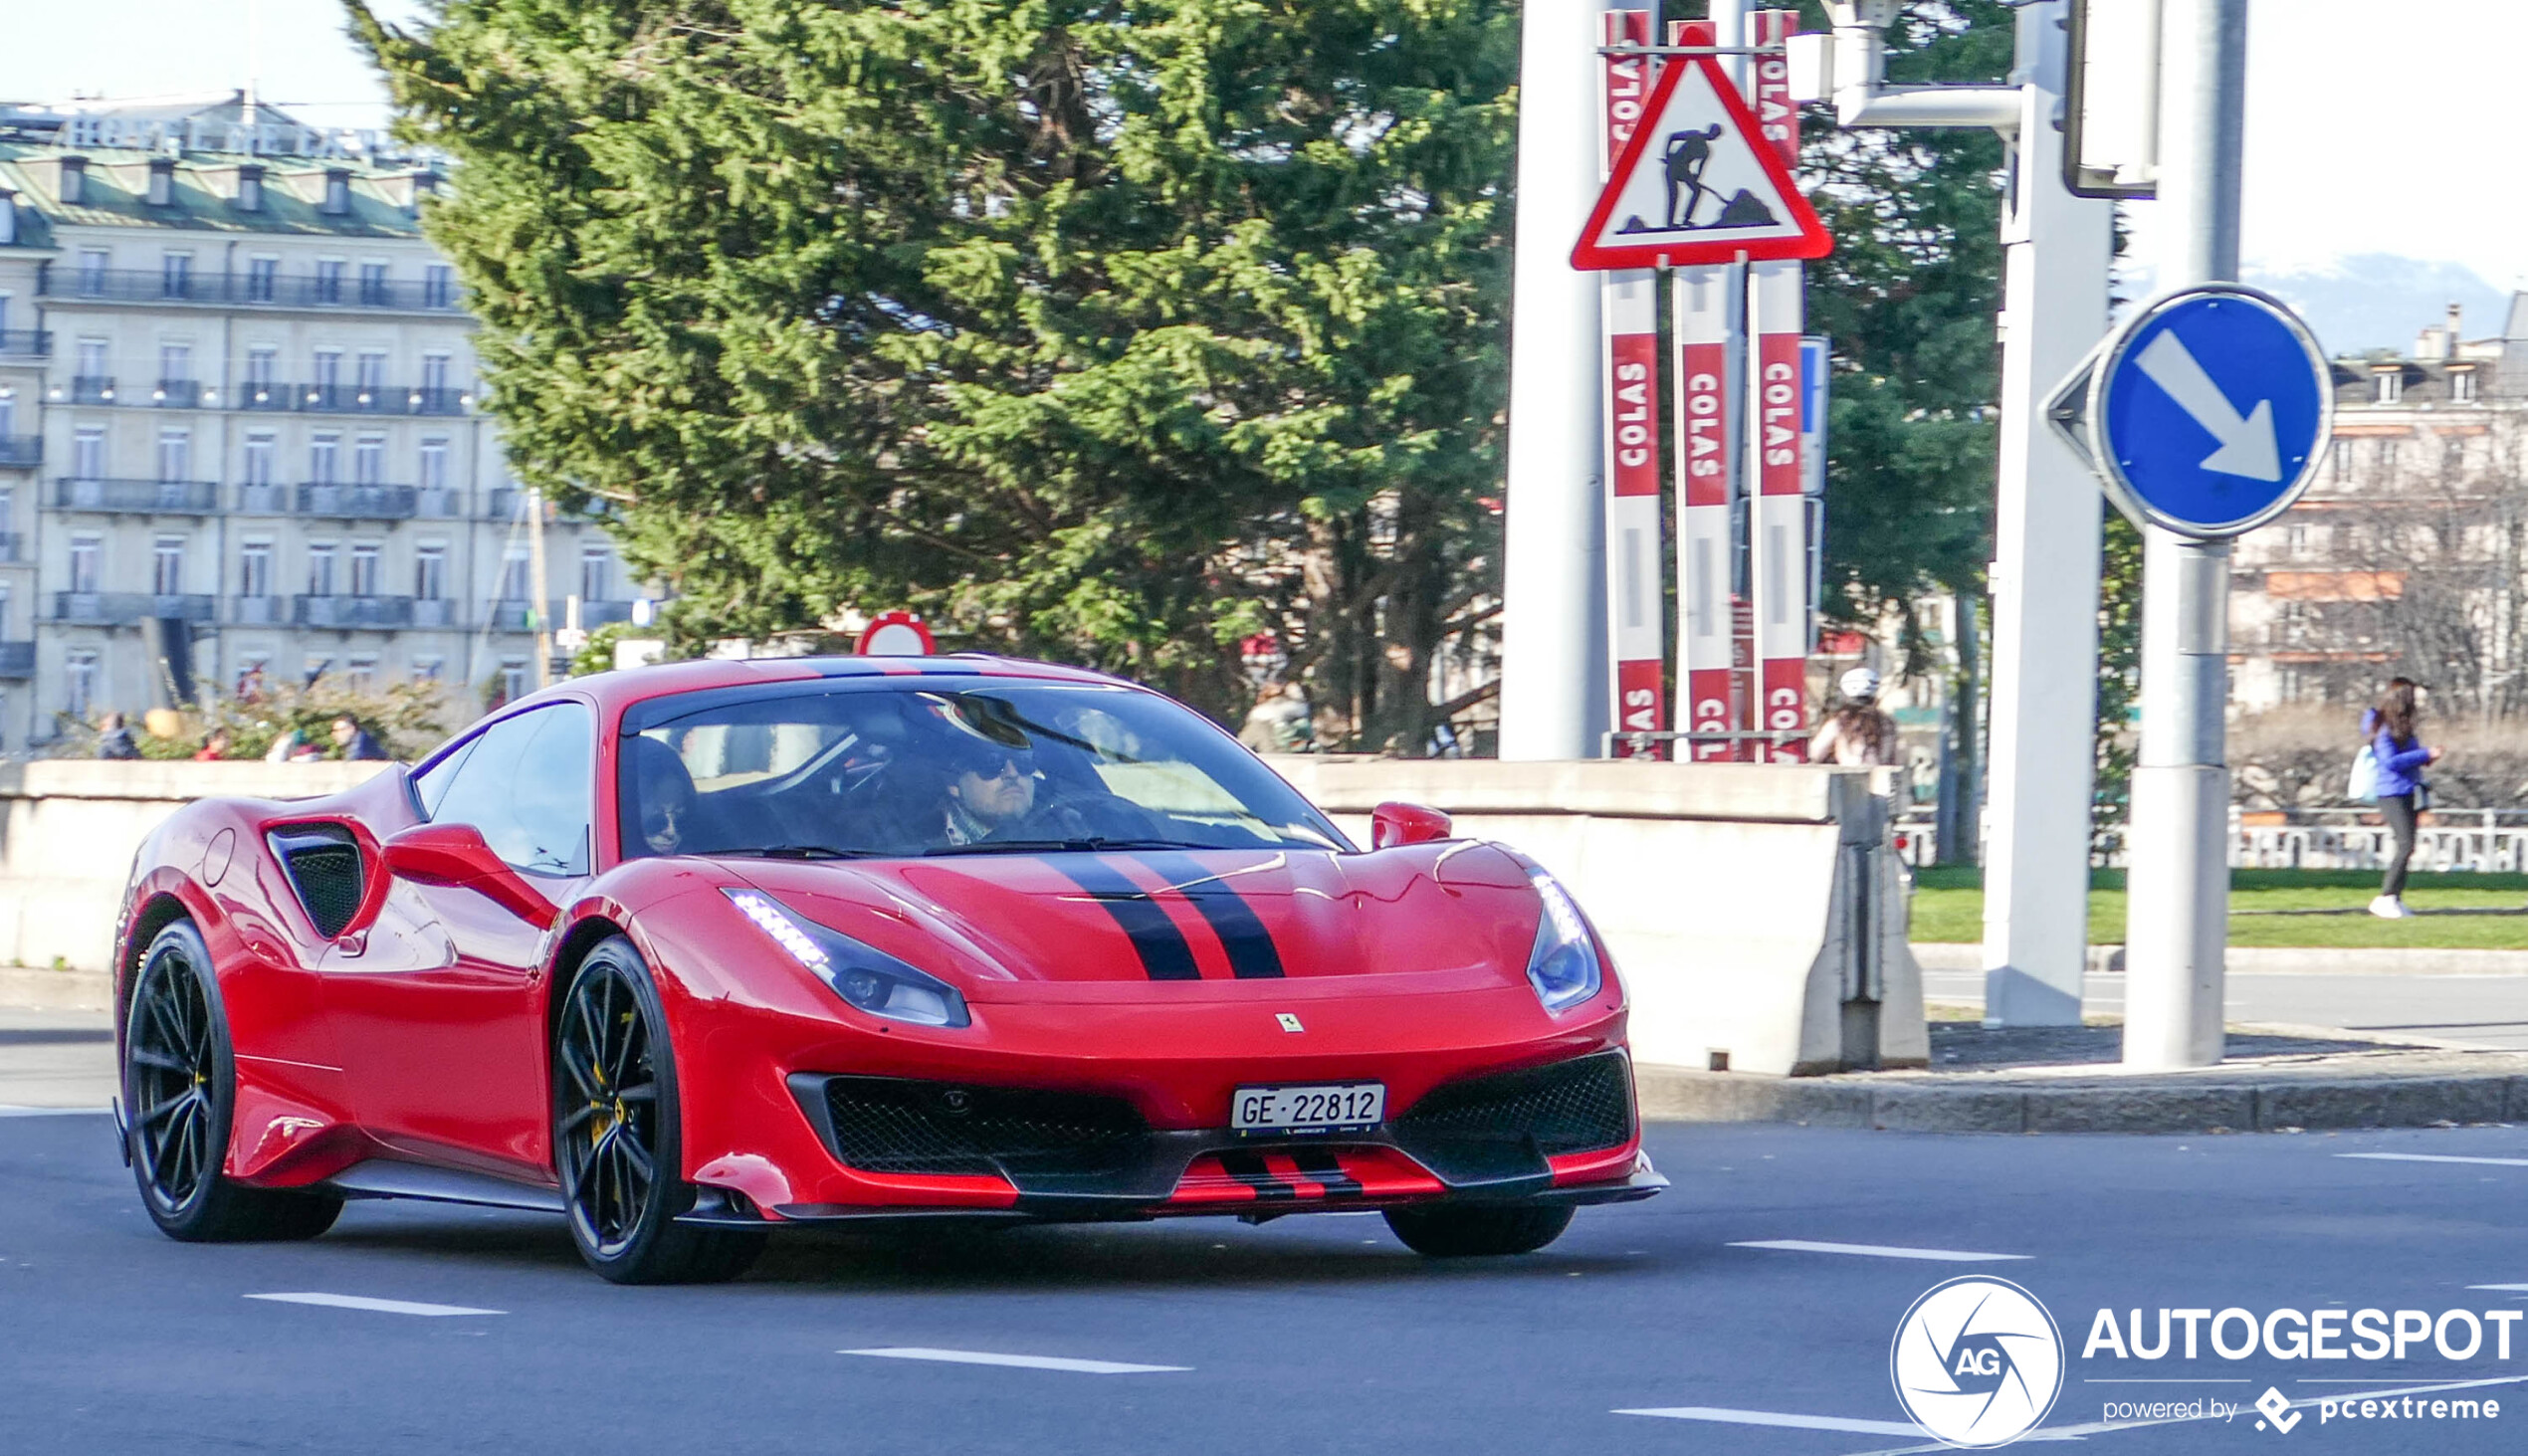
{"x":992,"y":790}
{"x":663,"y":795}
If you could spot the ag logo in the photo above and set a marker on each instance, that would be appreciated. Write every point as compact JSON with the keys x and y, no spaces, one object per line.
{"x":1976,"y":1361}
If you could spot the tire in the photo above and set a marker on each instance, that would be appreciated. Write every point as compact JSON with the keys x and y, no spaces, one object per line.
{"x":617,"y":1135}
{"x":1443,"y":1232}
{"x":179,"y":1088}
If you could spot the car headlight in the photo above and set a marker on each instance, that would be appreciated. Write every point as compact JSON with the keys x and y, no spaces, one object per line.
{"x":867,"y":978}
{"x":1563,"y":965}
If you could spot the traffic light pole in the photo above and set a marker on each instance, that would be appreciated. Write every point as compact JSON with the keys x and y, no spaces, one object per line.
{"x":2179,"y":881}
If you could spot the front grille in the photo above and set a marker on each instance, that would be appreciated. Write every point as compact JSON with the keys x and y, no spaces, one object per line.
{"x":887,"y":1125}
{"x":324,"y":868}
{"x":1503,"y":1126}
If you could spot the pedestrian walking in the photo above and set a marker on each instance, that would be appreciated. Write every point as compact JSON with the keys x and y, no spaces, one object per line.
{"x":354,"y":740}
{"x":1858,"y":733}
{"x":2390,"y":728}
{"x":114,"y":739}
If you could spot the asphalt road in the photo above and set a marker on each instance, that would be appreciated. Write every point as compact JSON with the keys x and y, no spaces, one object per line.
{"x":2488,"y":1013}
{"x":1307,"y":1334}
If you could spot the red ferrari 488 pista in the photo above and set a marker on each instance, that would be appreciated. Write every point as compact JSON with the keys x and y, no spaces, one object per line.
{"x":691,"y":953}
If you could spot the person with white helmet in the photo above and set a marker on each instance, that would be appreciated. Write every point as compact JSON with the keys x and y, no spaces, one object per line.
{"x":1858,"y":733}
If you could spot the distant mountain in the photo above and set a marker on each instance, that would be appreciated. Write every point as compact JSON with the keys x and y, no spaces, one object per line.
{"x":2380,"y":301}
{"x":2366,"y":301}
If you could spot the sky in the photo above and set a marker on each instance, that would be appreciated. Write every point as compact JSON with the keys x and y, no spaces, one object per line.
{"x":2372,"y":128}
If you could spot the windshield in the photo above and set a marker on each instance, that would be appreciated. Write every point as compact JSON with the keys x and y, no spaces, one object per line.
{"x":847,"y":769}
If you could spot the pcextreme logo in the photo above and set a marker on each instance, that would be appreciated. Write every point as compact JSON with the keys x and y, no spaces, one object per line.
{"x":1977,"y":1362}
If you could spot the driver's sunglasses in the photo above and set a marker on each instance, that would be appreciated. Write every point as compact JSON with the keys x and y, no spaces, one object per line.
{"x":1001,"y":765}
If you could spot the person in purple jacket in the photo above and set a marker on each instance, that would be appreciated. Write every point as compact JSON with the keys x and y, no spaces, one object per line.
{"x":2390,"y":730}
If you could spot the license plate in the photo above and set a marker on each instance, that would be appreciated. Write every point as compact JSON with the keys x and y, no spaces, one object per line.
{"x":1325,"y":1106}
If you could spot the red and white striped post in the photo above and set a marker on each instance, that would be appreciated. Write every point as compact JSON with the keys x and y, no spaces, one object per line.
{"x":1704,"y":328}
{"x":1636,"y":632}
{"x":1777,"y":517}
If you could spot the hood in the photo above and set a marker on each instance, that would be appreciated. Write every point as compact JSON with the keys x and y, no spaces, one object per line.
{"x":1013,"y":926}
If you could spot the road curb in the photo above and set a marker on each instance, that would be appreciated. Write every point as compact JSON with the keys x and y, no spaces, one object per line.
{"x":26,"y":989}
{"x":1947,"y":956}
{"x":2243,"y":1102}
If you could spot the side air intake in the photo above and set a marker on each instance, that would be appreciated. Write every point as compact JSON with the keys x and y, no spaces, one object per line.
{"x":325,"y":869}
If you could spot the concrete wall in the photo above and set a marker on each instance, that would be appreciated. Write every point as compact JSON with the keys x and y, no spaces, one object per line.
{"x":1755,"y":911}
{"x":69,"y":828}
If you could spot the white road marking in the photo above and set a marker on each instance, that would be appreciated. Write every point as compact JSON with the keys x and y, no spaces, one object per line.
{"x":2505,"y":1288}
{"x":363,"y":1302}
{"x":1777,"y":1418}
{"x":1876,"y":1251}
{"x":2436,"y":1157}
{"x":1023,"y":1362}
{"x":2101,"y":1427}
{"x":54,"y":1112}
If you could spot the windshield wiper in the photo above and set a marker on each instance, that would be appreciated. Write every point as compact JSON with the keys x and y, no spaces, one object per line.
{"x":1064,"y":846}
{"x":796,"y":852}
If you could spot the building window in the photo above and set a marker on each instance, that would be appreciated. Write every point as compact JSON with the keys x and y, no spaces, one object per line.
{"x":373,"y":284}
{"x":369,"y":460}
{"x":359,"y":672}
{"x":438,"y":286}
{"x":512,"y":679}
{"x":429,"y":668}
{"x":514,"y":565}
{"x":2298,"y":538}
{"x":329,"y":281}
{"x":2387,"y":457}
{"x":430,"y":571}
{"x":175,"y":275}
{"x":364,"y":561}
{"x":250,"y":189}
{"x":175,"y":455}
{"x":92,"y":270}
{"x":2388,"y":386}
{"x":434,"y":374}
{"x":2343,"y":453}
{"x":2462,"y":385}
{"x":259,"y":454}
{"x":79,"y":681}
{"x":372,"y":377}
{"x":596,"y":574}
{"x":325,"y":460}
{"x":175,"y":373}
{"x":433,"y":464}
{"x":329,"y":370}
{"x":162,"y":182}
{"x":338,"y":192}
{"x":167,"y":568}
{"x":263,"y":279}
{"x":87,"y":454}
{"x":254,"y":569}
{"x":320,"y":569}
{"x":88,"y":550}
{"x":263,"y":367}
{"x":96,"y":370}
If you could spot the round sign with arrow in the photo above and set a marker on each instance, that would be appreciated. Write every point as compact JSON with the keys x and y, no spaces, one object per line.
{"x":2206,"y":413}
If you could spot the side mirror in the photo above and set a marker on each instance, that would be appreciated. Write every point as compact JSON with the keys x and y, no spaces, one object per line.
{"x":1393,"y":823}
{"x":456,"y":854}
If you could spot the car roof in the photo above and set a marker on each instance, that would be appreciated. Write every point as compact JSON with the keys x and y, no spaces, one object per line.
{"x":612,"y":692}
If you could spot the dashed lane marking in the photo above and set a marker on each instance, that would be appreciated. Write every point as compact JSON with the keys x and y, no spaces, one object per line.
{"x":1022,"y":1362}
{"x":1778,"y":1418}
{"x":2436,"y":1157}
{"x":382,"y":1307}
{"x":1876,"y":1251}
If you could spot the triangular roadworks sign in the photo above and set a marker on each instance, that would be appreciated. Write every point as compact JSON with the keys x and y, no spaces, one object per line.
{"x":1698,"y":183}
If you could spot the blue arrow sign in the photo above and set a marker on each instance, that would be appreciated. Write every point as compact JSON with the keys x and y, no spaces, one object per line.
{"x":2210,"y":409}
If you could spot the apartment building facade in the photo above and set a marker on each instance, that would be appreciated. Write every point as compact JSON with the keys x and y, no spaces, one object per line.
{"x":2409,"y":554}
{"x":240,"y":424}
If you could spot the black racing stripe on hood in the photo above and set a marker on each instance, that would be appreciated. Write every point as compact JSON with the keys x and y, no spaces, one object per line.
{"x":1161,"y":946}
{"x":1252,"y":953}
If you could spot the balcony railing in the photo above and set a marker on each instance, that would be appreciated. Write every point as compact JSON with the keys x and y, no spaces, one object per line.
{"x":256,"y":611}
{"x":91,"y":389}
{"x":435,"y":611}
{"x":13,"y":547}
{"x":177,"y":394}
{"x":157,"y":498}
{"x":26,"y":344}
{"x":21,"y":450}
{"x":354,"y":611}
{"x":595,"y":614}
{"x":353,"y":399}
{"x":122,"y":608}
{"x":264,"y":500}
{"x":139,"y":285}
{"x":17,"y":659}
{"x":359,"y":503}
{"x":509,"y":615}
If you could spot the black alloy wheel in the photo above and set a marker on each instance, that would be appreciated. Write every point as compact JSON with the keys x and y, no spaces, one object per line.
{"x":616,"y":1133}
{"x":1446,"y":1232}
{"x":179,"y":1086}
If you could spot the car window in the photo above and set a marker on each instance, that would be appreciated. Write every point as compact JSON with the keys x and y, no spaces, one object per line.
{"x":934,"y":770}
{"x":527,"y":783}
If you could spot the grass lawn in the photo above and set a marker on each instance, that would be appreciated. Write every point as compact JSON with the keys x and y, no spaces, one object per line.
{"x":1949,"y":905}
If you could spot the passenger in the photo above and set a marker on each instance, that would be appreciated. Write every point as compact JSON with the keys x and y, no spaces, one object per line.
{"x":992,"y":790}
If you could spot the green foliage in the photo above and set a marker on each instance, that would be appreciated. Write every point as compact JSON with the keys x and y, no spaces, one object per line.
{"x":2119,"y":681}
{"x":1102,"y":333}
{"x":1910,"y":298}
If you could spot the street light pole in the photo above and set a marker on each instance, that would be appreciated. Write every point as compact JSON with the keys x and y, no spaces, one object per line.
{"x":2178,"y":876}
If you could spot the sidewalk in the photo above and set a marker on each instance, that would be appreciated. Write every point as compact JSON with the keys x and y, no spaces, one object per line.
{"x":56,"y":1059}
